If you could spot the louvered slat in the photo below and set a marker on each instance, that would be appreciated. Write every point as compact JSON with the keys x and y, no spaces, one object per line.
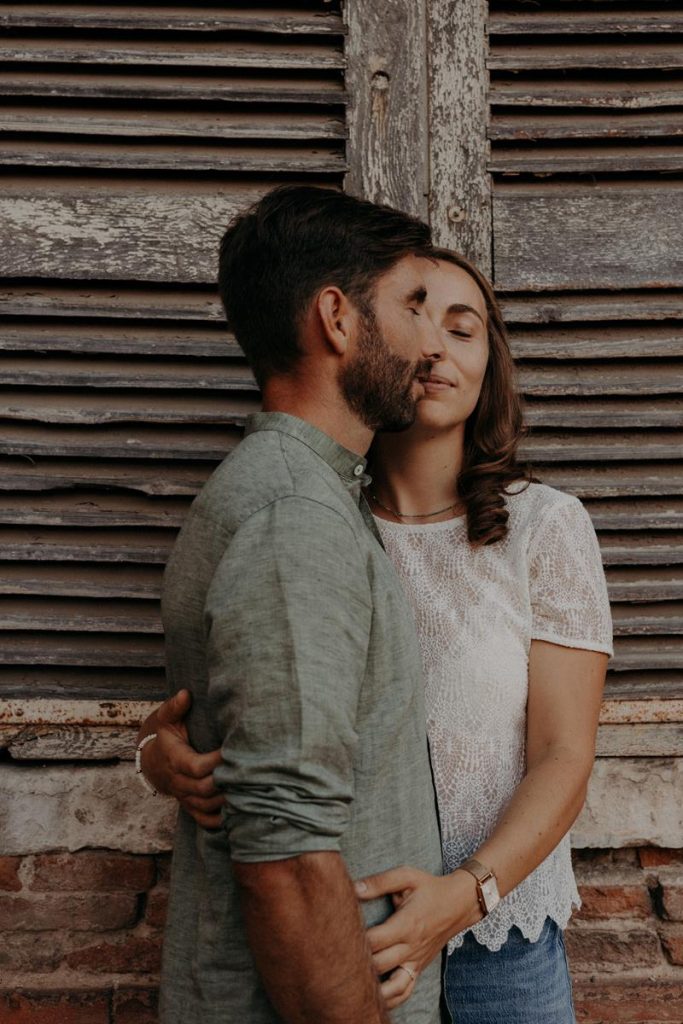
{"x":130,"y":407}
{"x":109,"y":373}
{"x":34,"y":647}
{"x":70,"y":614}
{"x":85,"y":683}
{"x":131,"y":17}
{"x":579,"y":307}
{"x":126,"y":302}
{"x":91,"y":509}
{"x":525,"y":126}
{"x":586,"y":92}
{"x":95,"y":544}
{"x":604,"y":412}
{"x":155,"y":478}
{"x":544,"y":22}
{"x":57,"y":580}
{"x":203,"y":86}
{"x":153,"y":53}
{"x":613,"y":55}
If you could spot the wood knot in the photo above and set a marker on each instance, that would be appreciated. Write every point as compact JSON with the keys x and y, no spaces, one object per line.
{"x":380,"y":81}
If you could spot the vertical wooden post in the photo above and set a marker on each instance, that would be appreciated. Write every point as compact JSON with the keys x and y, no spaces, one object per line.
{"x":460,"y":187}
{"x":386,"y":79}
{"x":418,"y":118}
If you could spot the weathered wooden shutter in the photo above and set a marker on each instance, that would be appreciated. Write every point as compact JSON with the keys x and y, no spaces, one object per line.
{"x":585,"y":131}
{"x":131,"y":134}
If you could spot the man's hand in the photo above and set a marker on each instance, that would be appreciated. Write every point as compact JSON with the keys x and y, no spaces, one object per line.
{"x":173,"y":767}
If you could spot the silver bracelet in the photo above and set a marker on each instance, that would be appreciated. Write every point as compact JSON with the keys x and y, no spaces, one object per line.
{"x":138,"y":763}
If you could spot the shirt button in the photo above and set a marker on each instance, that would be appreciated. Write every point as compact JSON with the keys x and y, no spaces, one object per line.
{"x":358,"y":471}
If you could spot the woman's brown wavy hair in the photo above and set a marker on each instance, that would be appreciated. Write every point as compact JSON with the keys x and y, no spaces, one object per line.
{"x":495,"y":427}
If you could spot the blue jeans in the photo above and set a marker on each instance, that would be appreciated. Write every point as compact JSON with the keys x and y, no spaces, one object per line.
{"x":521,"y":983}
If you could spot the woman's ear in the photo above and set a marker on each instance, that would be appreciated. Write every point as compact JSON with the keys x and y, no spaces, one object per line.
{"x":337,"y":318}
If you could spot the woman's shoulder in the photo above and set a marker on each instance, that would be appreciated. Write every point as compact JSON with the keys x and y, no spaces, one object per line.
{"x":554,"y":526}
{"x":530,"y":503}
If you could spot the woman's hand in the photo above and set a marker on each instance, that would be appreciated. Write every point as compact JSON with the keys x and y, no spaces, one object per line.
{"x":174,"y":767}
{"x":429,"y":911}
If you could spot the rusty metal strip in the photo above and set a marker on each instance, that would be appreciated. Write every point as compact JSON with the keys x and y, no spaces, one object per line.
{"x":44,"y":711}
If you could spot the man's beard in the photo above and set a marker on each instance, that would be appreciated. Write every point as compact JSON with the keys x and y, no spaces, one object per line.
{"x":378,"y":384}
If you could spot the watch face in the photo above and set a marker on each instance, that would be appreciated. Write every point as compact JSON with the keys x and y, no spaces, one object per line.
{"x":489,"y":891}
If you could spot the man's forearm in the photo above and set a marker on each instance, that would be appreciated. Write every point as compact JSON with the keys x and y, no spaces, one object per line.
{"x":307,"y":937}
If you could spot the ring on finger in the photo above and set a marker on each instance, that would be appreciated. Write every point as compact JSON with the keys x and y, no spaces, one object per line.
{"x":409,"y":971}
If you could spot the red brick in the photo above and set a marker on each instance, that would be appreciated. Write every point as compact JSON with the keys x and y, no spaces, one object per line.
{"x":9,"y":874}
{"x":93,"y":871}
{"x":672,"y":940}
{"x":28,"y":1007}
{"x":157,"y":905}
{"x":73,"y":912}
{"x":135,"y":1006}
{"x":589,"y":860}
{"x":653,"y":857}
{"x":672,"y":902}
{"x":593,"y":950}
{"x":627,"y":1001}
{"x":21,"y":951}
{"x":609,"y":901}
{"x":132,"y":954}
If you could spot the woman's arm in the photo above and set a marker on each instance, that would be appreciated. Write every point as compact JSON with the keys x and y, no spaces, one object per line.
{"x":565,"y":691}
{"x":174,"y":768}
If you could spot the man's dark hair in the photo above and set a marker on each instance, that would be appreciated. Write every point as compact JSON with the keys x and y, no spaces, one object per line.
{"x":296,"y":240}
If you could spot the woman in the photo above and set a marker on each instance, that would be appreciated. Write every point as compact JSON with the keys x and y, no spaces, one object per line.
{"x":509,"y":596}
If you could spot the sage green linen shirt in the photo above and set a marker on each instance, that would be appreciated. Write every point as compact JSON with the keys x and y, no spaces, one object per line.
{"x":284,"y":617}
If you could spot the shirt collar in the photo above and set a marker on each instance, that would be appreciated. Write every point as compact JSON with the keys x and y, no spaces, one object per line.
{"x":350,"y":466}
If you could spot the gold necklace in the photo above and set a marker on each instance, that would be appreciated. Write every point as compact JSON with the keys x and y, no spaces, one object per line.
{"x":416,"y":515}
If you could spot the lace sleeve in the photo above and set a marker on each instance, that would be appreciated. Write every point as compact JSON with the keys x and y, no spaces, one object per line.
{"x":569,"y":600}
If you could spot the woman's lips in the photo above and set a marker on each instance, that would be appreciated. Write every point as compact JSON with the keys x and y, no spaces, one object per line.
{"x":436,"y":383}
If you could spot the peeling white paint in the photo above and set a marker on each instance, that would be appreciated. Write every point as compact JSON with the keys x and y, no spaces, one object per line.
{"x":72,"y":808}
{"x":632,"y":802}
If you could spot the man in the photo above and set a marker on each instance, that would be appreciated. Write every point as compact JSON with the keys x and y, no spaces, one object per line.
{"x":285,"y":619}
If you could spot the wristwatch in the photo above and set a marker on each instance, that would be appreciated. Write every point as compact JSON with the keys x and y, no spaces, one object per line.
{"x":487,"y":886}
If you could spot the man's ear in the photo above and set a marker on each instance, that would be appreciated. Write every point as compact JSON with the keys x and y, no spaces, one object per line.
{"x":337,"y":317}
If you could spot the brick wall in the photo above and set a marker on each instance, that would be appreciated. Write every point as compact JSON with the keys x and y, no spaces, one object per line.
{"x":82,"y":932}
{"x":81,"y":937}
{"x":626,"y":943}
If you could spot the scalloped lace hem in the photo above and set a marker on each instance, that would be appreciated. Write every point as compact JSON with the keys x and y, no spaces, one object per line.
{"x":531,"y":930}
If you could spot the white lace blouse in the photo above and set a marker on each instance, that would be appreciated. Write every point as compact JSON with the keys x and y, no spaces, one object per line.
{"x":477,"y":610}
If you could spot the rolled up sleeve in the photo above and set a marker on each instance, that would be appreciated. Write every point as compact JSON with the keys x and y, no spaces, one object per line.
{"x":288,"y":618}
